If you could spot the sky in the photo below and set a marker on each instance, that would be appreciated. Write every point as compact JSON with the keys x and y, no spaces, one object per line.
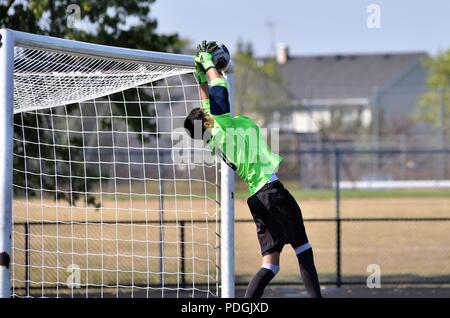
{"x":311,"y":27}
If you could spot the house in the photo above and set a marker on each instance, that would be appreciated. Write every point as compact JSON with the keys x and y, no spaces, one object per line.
{"x":348,"y":89}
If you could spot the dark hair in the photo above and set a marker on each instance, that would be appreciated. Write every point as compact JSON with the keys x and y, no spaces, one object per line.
{"x":195,"y":117}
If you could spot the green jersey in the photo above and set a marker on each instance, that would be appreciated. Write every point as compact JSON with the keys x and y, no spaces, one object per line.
{"x":239,"y":142}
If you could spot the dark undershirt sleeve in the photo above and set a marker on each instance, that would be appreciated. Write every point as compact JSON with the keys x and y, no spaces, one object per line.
{"x":218,"y":97}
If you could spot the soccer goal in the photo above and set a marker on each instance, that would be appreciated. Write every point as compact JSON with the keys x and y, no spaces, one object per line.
{"x":102,"y":194}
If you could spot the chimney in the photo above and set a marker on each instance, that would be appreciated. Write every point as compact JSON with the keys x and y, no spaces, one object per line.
{"x":282,"y":53}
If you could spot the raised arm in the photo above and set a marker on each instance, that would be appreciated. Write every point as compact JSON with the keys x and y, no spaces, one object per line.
{"x":218,"y":91}
{"x":218,"y":94}
{"x":200,"y":76}
{"x":204,"y":91}
{"x":204,"y":97}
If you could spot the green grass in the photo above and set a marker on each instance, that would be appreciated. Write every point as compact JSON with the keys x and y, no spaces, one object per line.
{"x":360,"y":194}
{"x":183,"y":192}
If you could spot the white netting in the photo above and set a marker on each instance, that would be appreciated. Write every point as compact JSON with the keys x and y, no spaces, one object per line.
{"x":45,"y":79}
{"x":101,"y":208}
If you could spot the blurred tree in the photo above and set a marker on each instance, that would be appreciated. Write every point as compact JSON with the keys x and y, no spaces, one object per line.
{"x":123,"y":23}
{"x":259,"y":86}
{"x":434,"y":105}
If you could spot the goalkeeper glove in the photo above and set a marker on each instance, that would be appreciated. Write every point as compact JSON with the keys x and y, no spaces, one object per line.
{"x":205,"y":60}
{"x":207,"y":46}
{"x":204,"y":54}
{"x":200,"y":74}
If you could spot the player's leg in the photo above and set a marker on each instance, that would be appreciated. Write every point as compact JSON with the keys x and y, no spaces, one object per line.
{"x":269,"y":268}
{"x":288,"y":212}
{"x":263,"y":207}
{"x":308,"y":271}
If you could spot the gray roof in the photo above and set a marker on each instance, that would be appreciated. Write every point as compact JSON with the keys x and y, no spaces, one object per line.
{"x":344,"y":76}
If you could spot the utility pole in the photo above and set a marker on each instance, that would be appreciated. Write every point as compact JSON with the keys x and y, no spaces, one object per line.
{"x":272,"y":46}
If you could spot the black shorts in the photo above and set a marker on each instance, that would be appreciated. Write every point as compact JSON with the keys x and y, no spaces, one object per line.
{"x":278,"y":218}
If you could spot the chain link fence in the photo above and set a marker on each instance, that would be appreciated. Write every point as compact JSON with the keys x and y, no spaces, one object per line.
{"x":363,"y":208}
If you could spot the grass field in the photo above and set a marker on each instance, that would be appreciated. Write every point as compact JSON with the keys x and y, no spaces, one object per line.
{"x":397,"y":247}
{"x":126,"y":252}
{"x":319,"y":194}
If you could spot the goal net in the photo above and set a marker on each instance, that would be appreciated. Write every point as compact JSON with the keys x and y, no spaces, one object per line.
{"x":110,"y":197}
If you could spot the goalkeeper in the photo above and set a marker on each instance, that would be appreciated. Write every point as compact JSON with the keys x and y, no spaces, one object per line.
{"x":237,"y":140}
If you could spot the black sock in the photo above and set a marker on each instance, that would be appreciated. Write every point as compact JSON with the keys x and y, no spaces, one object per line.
{"x":309,"y":273}
{"x":256,"y":286}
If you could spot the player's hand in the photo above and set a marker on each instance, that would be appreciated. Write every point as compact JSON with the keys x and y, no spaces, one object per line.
{"x":200,"y":74}
{"x":205,"y":60}
{"x":206,"y":46}
{"x":204,"y":54}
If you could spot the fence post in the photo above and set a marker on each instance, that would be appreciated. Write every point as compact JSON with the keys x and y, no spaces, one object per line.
{"x":338,"y":216}
{"x":442,"y":131}
{"x":161,"y":176}
{"x":376,"y":115}
{"x":183,"y":258}
{"x":27,"y":258}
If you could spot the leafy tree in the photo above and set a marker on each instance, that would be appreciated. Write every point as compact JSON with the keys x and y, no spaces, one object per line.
{"x":123,"y":23}
{"x":429,"y":106}
{"x":258,"y":88}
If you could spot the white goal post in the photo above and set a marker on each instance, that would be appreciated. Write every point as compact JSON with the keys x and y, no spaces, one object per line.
{"x":92,"y":201}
